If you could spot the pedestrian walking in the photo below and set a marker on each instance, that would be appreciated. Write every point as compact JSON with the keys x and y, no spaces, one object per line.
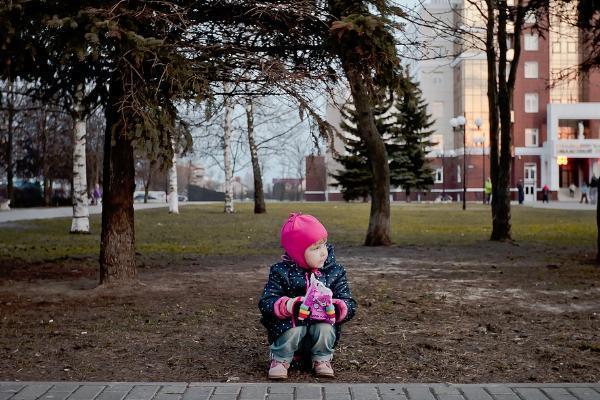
{"x":584,"y":193}
{"x":593,"y":189}
{"x":488,"y":190}
{"x":520,"y":191}
{"x":545,"y":194}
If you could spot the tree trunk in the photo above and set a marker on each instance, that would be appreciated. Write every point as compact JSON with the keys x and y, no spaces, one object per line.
{"x":45,"y":166}
{"x":501,"y":211}
{"x":117,"y":241}
{"x":598,"y":230}
{"x":173,"y":195}
{"x":259,"y":195}
{"x":378,"y":233}
{"x":9,"y":143}
{"x":226,"y":154}
{"x":81,"y":220}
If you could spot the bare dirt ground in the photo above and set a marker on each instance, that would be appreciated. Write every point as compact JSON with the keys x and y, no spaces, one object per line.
{"x":485,"y":313}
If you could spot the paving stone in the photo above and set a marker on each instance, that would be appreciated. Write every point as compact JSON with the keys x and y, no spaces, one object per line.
{"x":585,"y":393}
{"x":498,"y":389}
{"x":450,"y":397}
{"x":86,"y":392}
{"x":168,"y":396}
{"x":142,"y":392}
{"x":119,"y":387}
{"x":253,"y":393}
{"x":225,"y":396}
{"x":476,"y":393}
{"x":32,"y":391}
{"x":558,"y":394}
{"x":280,"y":396}
{"x":198,"y":393}
{"x":419,"y":392}
{"x":336,"y":388}
{"x":65,"y":387}
{"x":364,"y":393}
{"x":440,"y":389}
{"x":308,"y":392}
{"x":234,"y":389}
{"x":281,"y":389}
{"x":6,"y":395}
{"x":506,"y":397}
{"x":111,"y":395}
{"x":11,"y":387}
{"x":391,"y":392}
{"x":531,"y":393}
{"x":173,"y":389}
{"x":338,"y":396}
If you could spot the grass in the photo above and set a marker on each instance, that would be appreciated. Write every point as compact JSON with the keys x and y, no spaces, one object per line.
{"x":206,"y":230}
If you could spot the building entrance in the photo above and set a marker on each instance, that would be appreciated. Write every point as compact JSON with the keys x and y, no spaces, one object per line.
{"x":529,"y":185}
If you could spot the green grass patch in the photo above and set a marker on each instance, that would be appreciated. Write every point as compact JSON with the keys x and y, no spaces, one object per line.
{"x":206,"y":230}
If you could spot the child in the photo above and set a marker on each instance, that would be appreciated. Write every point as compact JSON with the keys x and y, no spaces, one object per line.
{"x":283,"y":306}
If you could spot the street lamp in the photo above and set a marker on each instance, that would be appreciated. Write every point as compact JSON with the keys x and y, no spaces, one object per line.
{"x":481,"y":139}
{"x":455,"y":123}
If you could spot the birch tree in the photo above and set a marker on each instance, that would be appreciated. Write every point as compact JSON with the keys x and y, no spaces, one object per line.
{"x":81,"y":221}
{"x":173,"y":195}
{"x":227,"y":128}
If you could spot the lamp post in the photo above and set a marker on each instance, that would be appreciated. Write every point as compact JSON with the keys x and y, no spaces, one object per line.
{"x":481,"y":139}
{"x":456,"y":122}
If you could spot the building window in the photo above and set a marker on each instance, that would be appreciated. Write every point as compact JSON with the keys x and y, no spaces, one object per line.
{"x":531,"y":69}
{"x":531,"y":103}
{"x":439,"y":175}
{"x":572,"y":47}
{"x":531,"y":41}
{"x":556,"y":47}
{"x":437,"y":79}
{"x":458,"y":174}
{"x":532,"y":137}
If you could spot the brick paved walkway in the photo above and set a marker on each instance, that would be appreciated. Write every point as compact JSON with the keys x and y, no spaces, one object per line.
{"x":293,"y":391}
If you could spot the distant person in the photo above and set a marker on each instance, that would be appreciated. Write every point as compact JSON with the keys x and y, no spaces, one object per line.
{"x":545,"y":194}
{"x":572,"y":189}
{"x":584,"y":193}
{"x":487,"y":189}
{"x":521,"y":191}
{"x":593,"y":189}
{"x":306,"y":299}
{"x":97,"y":195}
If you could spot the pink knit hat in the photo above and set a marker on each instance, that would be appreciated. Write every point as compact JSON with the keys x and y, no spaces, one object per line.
{"x":298,"y":233}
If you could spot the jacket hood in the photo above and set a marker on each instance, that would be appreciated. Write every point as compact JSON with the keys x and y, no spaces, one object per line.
{"x":329,"y":261}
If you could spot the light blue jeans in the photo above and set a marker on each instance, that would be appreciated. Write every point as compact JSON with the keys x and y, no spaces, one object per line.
{"x":323,"y":339}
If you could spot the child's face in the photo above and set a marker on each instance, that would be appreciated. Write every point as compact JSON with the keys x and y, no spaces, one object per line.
{"x":316,"y":254}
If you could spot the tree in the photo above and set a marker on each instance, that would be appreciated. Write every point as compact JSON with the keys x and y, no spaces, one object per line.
{"x":410,"y":139}
{"x":356,"y":179}
{"x":362,"y":38}
{"x":259,"y":195}
{"x":403,"y":123}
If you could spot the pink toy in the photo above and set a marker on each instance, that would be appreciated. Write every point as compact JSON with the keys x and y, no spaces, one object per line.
{"x":317,"y":304}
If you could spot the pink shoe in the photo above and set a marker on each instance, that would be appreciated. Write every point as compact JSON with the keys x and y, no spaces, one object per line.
{"x":323,"y":369}
{"x":278,"y":369}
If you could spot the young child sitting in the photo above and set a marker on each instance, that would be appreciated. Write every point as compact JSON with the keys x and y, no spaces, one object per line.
{"x":306,"y":298}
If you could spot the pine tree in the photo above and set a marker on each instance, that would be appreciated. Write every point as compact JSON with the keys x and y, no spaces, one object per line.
{"x":405,"y":131}
{"x":410,"y":140}
{"x":356,"y":179}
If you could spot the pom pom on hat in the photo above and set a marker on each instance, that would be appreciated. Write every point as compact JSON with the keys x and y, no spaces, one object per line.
{"x":299,"y":232}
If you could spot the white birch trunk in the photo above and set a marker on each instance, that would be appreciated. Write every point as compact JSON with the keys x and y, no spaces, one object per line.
{"x":226,"y":156}
{"x":81,"y":220}
{"x":173,"y":196}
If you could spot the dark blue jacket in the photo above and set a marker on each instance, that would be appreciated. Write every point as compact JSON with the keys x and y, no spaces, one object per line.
{"x":288,"y":279}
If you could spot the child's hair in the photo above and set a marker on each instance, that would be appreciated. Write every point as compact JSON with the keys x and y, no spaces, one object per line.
{"x":298,"y":233}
